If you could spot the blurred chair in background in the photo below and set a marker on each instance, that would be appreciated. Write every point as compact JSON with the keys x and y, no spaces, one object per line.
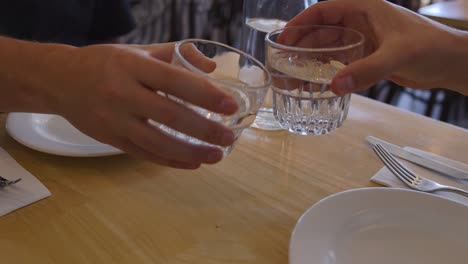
{"x":171,"y":20}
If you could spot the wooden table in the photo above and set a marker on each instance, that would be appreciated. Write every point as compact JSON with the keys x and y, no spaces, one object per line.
{"x":451,"y":13}
{"x":242,"y":210}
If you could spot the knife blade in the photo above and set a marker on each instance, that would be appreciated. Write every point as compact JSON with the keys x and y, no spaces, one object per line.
{"x":420,"y":160}
{"x":453,"y":163}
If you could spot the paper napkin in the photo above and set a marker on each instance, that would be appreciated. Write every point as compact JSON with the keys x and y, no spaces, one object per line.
{"x":25,"y":192}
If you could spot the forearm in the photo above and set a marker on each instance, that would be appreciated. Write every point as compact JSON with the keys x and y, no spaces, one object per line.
{"x":27,"y":70}
{"x":458,"y":68}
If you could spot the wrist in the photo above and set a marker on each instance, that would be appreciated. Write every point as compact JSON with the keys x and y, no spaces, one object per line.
{"x":458,"y":77}
{"x":53,"y":78}
{"x":26,"y":76}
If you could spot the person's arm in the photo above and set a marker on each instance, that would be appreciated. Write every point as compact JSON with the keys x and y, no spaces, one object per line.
{"x":457,"y":70}
{"x":108,"y":92}
{"x":24,"y":73}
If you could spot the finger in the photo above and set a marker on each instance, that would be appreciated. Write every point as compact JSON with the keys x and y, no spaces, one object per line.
{"x":314,"y":37}
{"x":366,"y":72}
{"x":182,"y":84}
{"x":133,"y":150}
{"x":195,"y":57}
{"x":159,"y":143}
{"x":323,"y":13}
{"x":163,"y":110}
{"x":165,"y":52}
{"x":328,"y":12}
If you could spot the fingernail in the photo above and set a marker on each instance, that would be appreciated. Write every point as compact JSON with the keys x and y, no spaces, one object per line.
{"x":228,"y":105}
{"x":344,"y":84}
{"x":214,"y":156}
{"x":227,"y":139}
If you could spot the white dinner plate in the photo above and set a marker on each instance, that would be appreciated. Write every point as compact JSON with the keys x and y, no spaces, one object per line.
{"x":381,"y":225}
{"x":55,"y":135}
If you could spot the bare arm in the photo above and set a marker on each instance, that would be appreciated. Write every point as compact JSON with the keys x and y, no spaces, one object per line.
{"x":457,"y":70}
{"x":24,"y":74}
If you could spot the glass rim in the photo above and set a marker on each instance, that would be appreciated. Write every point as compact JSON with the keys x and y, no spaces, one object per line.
{"x":196,"y":70}
{"x":286,"y":47}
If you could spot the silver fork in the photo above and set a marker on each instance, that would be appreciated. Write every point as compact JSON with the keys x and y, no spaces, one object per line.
{"x":410,"y":178}
{"x":5,"y":182}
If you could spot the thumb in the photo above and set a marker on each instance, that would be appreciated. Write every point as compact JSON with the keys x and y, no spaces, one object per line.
{"x":364,"y":73}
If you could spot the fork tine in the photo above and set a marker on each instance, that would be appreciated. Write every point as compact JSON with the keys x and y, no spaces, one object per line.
{"x":386,"y":159}
{"x":387,"y":163}
{"x":398,"y":165}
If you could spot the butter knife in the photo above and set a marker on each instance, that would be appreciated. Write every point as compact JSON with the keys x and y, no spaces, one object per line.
{"x":453,"y":163}
{"x":424,"y":161}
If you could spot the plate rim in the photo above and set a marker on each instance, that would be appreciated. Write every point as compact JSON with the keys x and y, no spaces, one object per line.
{"x":16,"y":121}
{"x":363,"y":189}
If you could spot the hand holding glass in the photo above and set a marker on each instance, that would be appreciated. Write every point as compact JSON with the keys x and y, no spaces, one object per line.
{"x":303,"y":61}
{"x":233,"y":71}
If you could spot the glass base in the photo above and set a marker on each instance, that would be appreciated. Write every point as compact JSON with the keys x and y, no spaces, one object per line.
{"x":313,"y":127}
{"x":265,"y":120}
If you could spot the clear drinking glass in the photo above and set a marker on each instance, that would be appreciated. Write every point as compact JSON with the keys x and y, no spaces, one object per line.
{"x":261,"y":17}
{"x":235,"y":72}
{"x":302,"y":72}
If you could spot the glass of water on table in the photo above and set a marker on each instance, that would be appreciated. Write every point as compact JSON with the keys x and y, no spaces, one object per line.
{"x":259,"y":18}
{"x":303,"y":61}
{"x":235,"y":72}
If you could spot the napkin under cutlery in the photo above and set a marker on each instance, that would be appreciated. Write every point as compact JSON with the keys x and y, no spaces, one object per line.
{"x":385,"y":177}
{"x":25,"y":192}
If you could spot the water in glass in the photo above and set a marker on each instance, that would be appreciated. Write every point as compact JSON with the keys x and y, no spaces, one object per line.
{"x":303,"y":102}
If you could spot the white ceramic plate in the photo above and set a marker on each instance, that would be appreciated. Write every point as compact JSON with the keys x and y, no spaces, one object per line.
{"x":55,"y":135}
{"x":381,"y":225}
